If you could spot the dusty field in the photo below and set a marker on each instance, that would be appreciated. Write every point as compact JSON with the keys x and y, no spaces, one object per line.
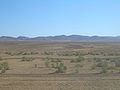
{"x":59,"y":83}
{"x":59,"y":66}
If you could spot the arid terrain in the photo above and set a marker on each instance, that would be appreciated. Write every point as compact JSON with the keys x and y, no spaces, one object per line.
{"x":34,"y":65}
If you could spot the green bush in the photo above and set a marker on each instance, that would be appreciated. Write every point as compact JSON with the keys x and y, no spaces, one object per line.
{"x":3,"y":67}
{"x":104,"y":69}
{"x":79,"y":59}
{"x":103,"y":65}
{"x":117,"y":63}
{"x":61,"y":68}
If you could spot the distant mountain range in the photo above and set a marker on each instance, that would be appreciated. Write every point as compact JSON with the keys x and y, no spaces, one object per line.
{"x":63,"y":38}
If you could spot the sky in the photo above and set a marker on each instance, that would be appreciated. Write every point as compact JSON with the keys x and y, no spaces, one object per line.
{"x":59,"y":17}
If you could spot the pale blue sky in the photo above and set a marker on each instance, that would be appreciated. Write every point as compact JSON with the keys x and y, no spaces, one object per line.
{"x":57,"y":17}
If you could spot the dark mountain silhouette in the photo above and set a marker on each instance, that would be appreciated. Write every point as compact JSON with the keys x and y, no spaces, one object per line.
{"x":22,"y":38}
{"x":63,"y":38}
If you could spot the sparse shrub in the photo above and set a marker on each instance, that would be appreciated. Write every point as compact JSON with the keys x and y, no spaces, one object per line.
{"x":52,"y":65}
{"x":108,"y":59}
{"x":47,"y":63}
{"x":69,"y":53}
{"x":56,"y":64}
{"x":77,"y":67}
{"x":52,"y":62}
{"x":79,"y":59}
{"x":48,"y":53}
{"x":117,"y":63}
{"x":33,"y":53}
{"x":55,"y":60}
{"x":21,"y":53}
{"x":103,"y":65}
{"x":99,"y":64}
{"x":25,"y":53}
{"x":27,"y":59}
{"x":8,"y":53}
{"x":60,"y":68}
{"x":4,"y":67}
{"x":73,"y":60}
{"x":103,"y":69}
{"x":97,"y":59}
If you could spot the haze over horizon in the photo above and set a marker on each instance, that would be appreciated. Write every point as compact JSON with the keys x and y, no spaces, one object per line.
{"x":34,"y":18}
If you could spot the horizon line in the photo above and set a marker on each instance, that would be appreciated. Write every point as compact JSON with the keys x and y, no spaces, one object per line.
{"x":59,"y":35}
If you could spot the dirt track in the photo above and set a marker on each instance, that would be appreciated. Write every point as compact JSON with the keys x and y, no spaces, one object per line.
{"x":61,"y":75}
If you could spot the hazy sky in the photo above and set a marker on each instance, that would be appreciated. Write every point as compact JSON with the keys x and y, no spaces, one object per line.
{"x":57,"y":17}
